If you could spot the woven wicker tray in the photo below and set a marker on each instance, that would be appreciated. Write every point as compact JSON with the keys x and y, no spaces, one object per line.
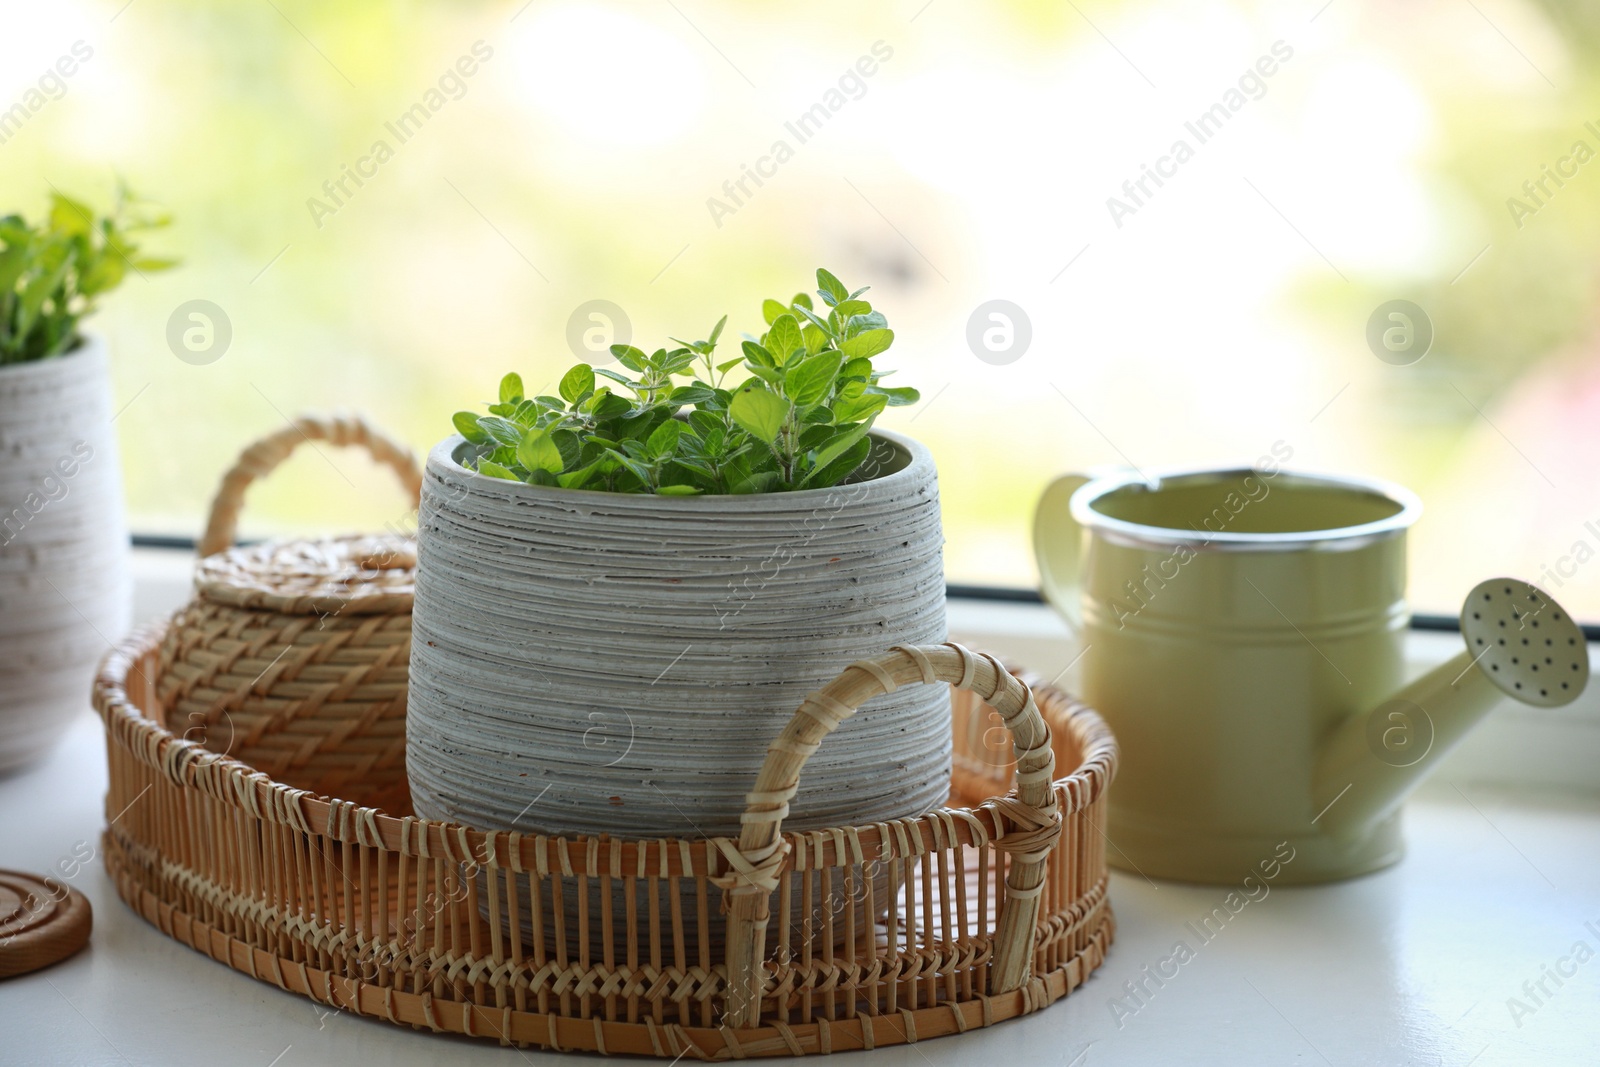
{"x":774,"y":944}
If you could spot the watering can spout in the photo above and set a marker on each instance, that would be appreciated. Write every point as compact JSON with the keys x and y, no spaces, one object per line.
{"x":1520,"y":644}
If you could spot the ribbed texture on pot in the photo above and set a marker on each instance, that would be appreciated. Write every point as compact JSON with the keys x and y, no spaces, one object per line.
{"x":591,"y":662}
{"x":64,"y":585}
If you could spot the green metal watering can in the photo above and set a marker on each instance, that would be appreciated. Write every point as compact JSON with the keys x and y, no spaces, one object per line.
{"x":1243,"y":633}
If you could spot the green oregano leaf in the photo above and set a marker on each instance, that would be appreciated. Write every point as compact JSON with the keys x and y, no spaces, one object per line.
{"x":784,"y":338}
{"x":809,"y":381}
{"x":511,"y":388}
{"x":759,"y":411}
{"x":466,"y":424}
{"x":898,"y":398}
{"x":836,"y":469}
{"x":663,"y":440}
{"x":867,"y":344}
{"x":501,"y":431}
{"x":577,"y":383}
{"x":830,"y":288}
{"x":536,"y":451}
{"x":494,"y":470}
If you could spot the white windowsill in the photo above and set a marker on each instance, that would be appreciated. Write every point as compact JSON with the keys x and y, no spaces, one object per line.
{"x":1418,"y":963}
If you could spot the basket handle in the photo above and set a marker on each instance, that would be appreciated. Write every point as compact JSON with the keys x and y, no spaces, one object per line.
{"x":261,"y":458}
{"x":761,"y":854}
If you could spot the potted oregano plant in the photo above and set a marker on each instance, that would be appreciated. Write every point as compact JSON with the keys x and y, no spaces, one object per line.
{"x":627,"y":585}
{"x":64,"y":585}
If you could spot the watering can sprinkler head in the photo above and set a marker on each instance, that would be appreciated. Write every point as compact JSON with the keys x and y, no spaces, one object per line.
{"x":1520,"y":644}
{"x":1524,"y":644}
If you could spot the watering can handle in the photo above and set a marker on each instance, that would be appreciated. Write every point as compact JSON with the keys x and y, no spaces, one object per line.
{"x":1058,"y":546}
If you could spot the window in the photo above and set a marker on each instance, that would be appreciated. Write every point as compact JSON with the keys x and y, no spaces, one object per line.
{"x":1199,"y":217}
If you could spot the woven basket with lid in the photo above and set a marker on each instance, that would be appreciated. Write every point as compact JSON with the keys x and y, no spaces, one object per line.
{"x":293,"y":656}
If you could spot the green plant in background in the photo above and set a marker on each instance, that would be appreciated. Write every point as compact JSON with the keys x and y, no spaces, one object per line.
{"x":52,"y":274}
{"x":798,"y":420}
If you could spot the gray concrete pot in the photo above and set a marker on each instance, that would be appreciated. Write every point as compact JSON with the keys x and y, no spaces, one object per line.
{"x":590,"y":662}
{"x":64,"y":581}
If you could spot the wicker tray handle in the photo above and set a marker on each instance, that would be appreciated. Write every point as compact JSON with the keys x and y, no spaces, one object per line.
{"x":261,"y":458}
{"x":761,"y":854}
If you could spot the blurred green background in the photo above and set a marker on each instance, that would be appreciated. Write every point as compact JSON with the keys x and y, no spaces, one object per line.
{"x":1225,"y":314}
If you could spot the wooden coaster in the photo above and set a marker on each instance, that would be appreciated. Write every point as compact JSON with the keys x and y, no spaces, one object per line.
{"x":40,"y":923}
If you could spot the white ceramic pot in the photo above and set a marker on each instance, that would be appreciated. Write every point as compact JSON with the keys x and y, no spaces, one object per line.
{"x":589,"y":662}
{"x":64,"y":584}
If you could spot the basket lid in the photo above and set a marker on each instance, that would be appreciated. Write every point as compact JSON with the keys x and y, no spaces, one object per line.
{"x":354,"y":575}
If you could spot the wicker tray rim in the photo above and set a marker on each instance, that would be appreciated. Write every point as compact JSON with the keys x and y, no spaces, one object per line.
{"x":189,"y":764}
{"x":669,"y":1040}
